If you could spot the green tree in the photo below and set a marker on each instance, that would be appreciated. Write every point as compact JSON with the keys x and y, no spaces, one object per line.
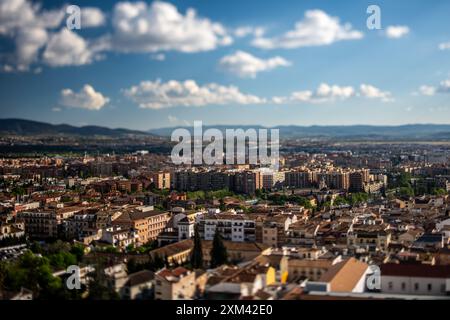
{"x":340,"y":201}
{"x":197,"y":254}
{"x":219,"y":254}
{"x":407,"y":191}
{"x":158,"y":262}
{"x":78,"y":251}
{"x":34,"y":273}
{"x":133,"y":266}
{"x":439,"y":192}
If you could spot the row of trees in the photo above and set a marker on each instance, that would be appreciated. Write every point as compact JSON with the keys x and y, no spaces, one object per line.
{"x":218,"y":254}
{"x":281,"y":199}
{"x":211,"y":195}
{"x":405,"y":187}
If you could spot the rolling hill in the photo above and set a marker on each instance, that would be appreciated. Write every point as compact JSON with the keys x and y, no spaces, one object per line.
{"x":28,"y":127}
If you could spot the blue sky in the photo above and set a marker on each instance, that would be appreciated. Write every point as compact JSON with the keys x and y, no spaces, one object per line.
{"x":129,"y":63}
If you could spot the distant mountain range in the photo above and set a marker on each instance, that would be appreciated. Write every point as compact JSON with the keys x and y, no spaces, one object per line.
{"x":28,"y":127}
{"x":365,"y":132}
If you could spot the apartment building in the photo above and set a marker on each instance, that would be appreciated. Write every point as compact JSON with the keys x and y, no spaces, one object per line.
{"x":233,"y":227}
{"x":119,"y":237}
{"x":334,"y":179}
{"x":415,"y":279}
{"x":274,"y":229}
{"x":248,"y":182}
{"x":175,"y":284}
{"x":46,"y":224}
{"x":161,"y":180}
{"x":298,"y":179}
{"x":147,"y":223}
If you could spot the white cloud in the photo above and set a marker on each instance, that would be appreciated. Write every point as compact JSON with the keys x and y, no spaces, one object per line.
{"x":323,"y":93}
{"x":139,"y":27}
{"x":92,"y":17}
{"x":28,"y":43}
{"x":371,"y":92}
{"x":443,"y":87}
{"x":6,"y":68}
{"x":158,"y":57}
{"x":33,"y":31}
{"x":22,"y":14}
{"x":27,"y":25}
{"x":427,"y":90}
{"x":175,"y":120}
{"x":326,"y":93}
{"x":316,"y":29}
{"x":172,"y":119}
{"x":245,"y":65}
{"x":86,"y":98}
{"x":159,"y":95}
{"x":66,"y":48}
{"x":396,"y":32}
{"x":444,"y":46}
{"x":241,"y":32}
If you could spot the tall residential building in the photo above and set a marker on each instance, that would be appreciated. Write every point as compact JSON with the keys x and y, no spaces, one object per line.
{"x":248,"y":182}
{"x":298,"y":179}
{"x":161,"y":180}
{"x":334,"y":179}
{"x":358,"y":179}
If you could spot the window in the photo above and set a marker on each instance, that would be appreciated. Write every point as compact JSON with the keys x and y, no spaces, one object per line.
{"x":416,"y":286}
{"x":403,"y":286}
{"x":430,"y":287}
{"x":390,"y":285}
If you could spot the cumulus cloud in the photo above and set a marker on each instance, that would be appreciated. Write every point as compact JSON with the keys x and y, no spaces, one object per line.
{"x":330,"y":93}
{"x":323,"y":93}
{"x":28,"y":44}
{"x":22,"y":14}
{"x":443,"y":87}
{"x":174,"y":120}
{"x":33,"y":31}
{"x":66,"y":48}
{"x":139,"y":27}
{"x":92,"y":17}
{"x":371,"y":92}
{"x":27,"y":24}
{"x":159,"y":95}
{"x":86,"y":98}
{"x":316,"y":29}
{"x":396,"y":32}
{"x":246,"y":65}
{"x":444,"y":46}
{"x":427,"y":90}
